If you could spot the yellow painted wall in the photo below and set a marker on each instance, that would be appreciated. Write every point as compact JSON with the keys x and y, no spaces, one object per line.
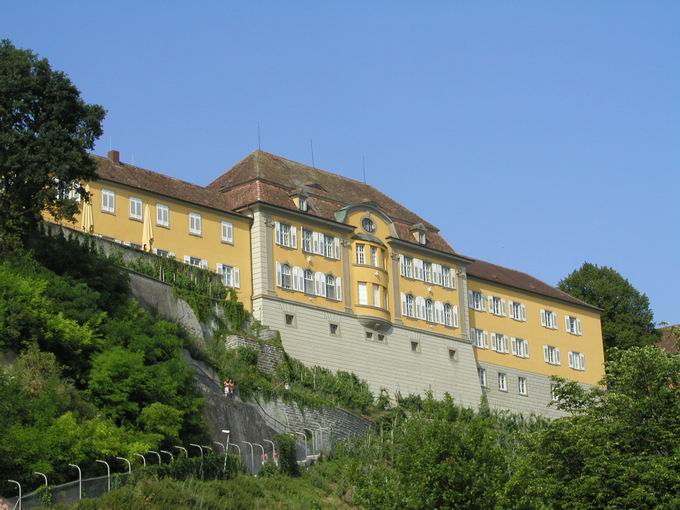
{"x":590,"y":343}
{"x":176,"y":237}
{"x":297,"y":257}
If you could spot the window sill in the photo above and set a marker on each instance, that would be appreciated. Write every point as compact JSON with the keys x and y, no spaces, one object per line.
{"x":230,"y":243}
{"x":369,"y":266}
{"x":138,"y":220}
{"x":285,"y":247}
{"x":167,"y":227}
{"x":112,"y":213}
{"x":196,"y":234}
{"x":372,"y":307}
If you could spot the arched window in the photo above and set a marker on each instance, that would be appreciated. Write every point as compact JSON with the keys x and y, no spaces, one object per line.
{"x":309,"y":282}
{"x":409,"y":305}
{"x":448,"y":315}
{"x":429,"y":310}
{"x":285,"y":276}
{"x":330,"y":286}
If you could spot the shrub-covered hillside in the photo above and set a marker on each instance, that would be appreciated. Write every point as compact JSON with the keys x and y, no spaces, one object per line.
{"x":95,"y":375}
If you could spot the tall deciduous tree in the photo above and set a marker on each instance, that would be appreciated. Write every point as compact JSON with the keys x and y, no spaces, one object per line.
{"x":46,"y":131}
{"x":627,"y":319}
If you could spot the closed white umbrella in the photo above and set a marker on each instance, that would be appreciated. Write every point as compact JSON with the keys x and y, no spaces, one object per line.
{"x":147,"y":230}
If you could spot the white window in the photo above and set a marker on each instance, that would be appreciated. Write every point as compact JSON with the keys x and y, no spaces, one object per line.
{"x":448,"y":314}
{"x":285,"y":235}
{"x":361,"y":256}
{"x":502,"y":381}
{"x":195,"y":261}
{"x":407,"y":305}
{"x":522,"y":386}
{"x":499,"y":343}
{"x":195,"y":224}
{"x":162,"y":215}
{"x":520,"y":347}
{"x":406,"y":266}
{"x":376,"y":295}
{"x":476,"y":300}
{"x":480,"y":338}
{"x":418,"y":269}
{"x":309,"y":282}
{"x":577,"y":361}
{"x":332,"y":245}
{"x":330,"y":286}
{"x":497,"y":306}
{"x":553,"y":393}
{"x":307,"y":240}
{"x":286,"y":277}
{"x":573,"y":325}
{"x":302,"y":204}
{"x":374,"y":256}
{"x":551,"y":354}
{"x":363,"y":293}
{"x":227,"y":232}
{"x":135,"y":209}
{"x":231,"y":276}
{"x":548,"y":319}
{"x":421,"y":237}
{"x":448,"y":277}
{"x":437,"y":274}
{"x":518,"y":311}
{"x":429,"y":310}
{"x":481,"y":372}
{"x":108,"y":201}
{"x":427,"y":271}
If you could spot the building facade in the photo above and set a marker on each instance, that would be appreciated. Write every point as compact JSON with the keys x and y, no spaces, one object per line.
{"x":354,"y":281}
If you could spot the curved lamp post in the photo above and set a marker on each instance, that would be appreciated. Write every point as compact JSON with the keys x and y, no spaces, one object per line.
{"x":313,"y":438}
{"x":129,"y":464}
{"x":141,"y":457}
{"x":80,"y":481}
{"x":43,"y":475}
{"x":157,"y":455}
{"x":19,"y":500}
{"x":273,"y":450}
{"x":262,"y":456}
{"x":108,"y":473}
{"x":182,"y":449}
{"x":172,"y":457}
{"x":305,"y":443}
{"x":252,"y":456}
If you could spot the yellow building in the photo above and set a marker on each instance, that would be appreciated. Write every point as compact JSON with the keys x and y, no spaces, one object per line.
{"x":355,"y":281}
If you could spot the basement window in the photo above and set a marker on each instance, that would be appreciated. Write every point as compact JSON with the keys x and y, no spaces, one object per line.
{"x":334,"y":329}
{"x":290,"y":320}
{"x":369,"y":335}
{"x":453,"y":355}
{"x":415,"y":346}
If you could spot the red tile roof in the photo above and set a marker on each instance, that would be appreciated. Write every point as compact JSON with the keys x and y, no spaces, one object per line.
{"x":519,"y":280}
{"x":264,"y":177}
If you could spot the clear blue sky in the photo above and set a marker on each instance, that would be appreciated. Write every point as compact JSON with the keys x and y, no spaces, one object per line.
{"x":536,"y":135}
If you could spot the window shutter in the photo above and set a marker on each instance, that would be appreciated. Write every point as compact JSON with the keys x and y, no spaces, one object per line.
{"x":320,"y":284}
{"x":512,"y":309}
{"x":566,"y":323}
{"x":505,"y":343}
{"x":470,"y":301}
{"x":301,"y":281}
{"x":293,"y":237}
{"x":237,"y":278}
{"x":336,"y":248}
{"x":579,"y":329}
{"x":402,"y":272}
{"x":582,"y":358}
{"x":545,"y":353}
{"x":557,"y":353}
{"x":455,"y":316}
{"x":484,"y":298}
{"x":494,"y":341}
{"x":403,"y":302}
{"x":294,"y":278}
{"x":485,"y":337}
{"x":503,"y":310}
{"x":513,"y":346}
{"x":543,"y":319}
{"x":571,"y":359}
{"x":278,"y":274}
{"x":277,"y":231}
{"x":220,"y":268}
{"x":490,"y":301}
{"x":187,"y":259}
{"x":338,"y":288}
{"x":523,"y":310}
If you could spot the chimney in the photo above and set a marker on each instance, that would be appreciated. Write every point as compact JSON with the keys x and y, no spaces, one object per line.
{"x":114,"y":156}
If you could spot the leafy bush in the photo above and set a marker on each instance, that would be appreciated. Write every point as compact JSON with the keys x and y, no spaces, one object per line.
{"x":285,"y":445}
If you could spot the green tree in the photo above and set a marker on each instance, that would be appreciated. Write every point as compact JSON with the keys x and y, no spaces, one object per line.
{"x":619,"y":449}
{"x":46,"y":131}
{"x":627,"y":319}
